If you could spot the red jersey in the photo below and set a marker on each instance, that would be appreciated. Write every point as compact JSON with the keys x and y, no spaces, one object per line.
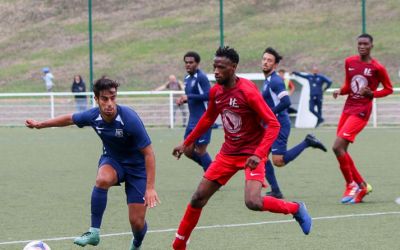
{"x":360,"y":74}
{"x":250,"y":126}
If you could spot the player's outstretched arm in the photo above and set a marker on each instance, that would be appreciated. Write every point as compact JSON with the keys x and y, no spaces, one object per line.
{"x":150,"y":197}
{"x":59,"y":121}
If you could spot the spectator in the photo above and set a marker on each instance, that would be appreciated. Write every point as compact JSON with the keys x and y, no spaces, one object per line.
{"x":78,"y":86}
{"x":48,"y":79}
{"x":174,"y":84}
{"x":316,"y":82}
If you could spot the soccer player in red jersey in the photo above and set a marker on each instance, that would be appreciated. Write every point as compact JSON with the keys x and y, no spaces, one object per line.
{"x":363,"y":75}
{"x":250,"y":129}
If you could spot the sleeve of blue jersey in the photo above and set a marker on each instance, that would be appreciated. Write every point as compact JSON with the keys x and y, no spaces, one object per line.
{"x":135,"y":127}
{"x":82,"y":119}
{"x":277,"y":85}
{"x":205,"y":87}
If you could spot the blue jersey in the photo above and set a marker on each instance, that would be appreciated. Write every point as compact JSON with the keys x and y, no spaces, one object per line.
{"x":273,"y":91}
{"x":122,"y":138}
{"x":316,"y":82}
{"x":197,"y":89}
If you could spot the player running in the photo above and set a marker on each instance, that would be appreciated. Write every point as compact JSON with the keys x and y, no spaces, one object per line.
{"x":127,"y":157}
{"x":197,"y":88}
{"x":363,"y":76}
{"x":247,"y":142}
{"x":276,"y":96}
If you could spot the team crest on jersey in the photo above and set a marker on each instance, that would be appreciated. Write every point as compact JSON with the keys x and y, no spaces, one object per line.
{"x":357,"y":83}
{"x":232,"y":122}
{"x":119,"y":133}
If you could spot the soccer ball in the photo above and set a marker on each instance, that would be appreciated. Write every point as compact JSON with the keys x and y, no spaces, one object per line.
{"x":37,"y":245}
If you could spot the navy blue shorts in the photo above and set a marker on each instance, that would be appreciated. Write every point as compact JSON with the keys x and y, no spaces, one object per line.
{"x":203,"y":139}
{"x":135,"y":186}
{"x":279,"y":147}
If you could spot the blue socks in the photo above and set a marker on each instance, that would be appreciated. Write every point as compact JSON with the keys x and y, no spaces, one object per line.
{"x":292,"y":154}
{"x":270,"y":176}
{"x":204,"y":160}
{"x":139,"y":236}
{"x":99,"y":202}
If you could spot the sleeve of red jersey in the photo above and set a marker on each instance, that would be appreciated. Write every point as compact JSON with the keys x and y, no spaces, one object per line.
{"x":387,"y":85}
{"x":345,"y":89}
{"x":206,"y":120}
{"x":257,"y":103}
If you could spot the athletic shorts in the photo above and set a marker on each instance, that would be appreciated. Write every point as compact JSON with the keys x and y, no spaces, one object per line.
{"x":279,"y":147}
{"x":225,"y":166}
{"x":350,"y":126}
{"x":135,"y":186}
{"x":203,"y":139}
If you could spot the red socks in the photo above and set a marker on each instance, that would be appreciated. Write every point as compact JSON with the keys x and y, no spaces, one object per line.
{"x":345,"y":168}
{"x":354,"y":171}
{"x":275,"y":205}
{"x":188,"y":223}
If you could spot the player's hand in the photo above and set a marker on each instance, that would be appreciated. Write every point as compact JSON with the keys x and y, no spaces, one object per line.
{"x":32,"y":124}
{"x":178,"y":151}
{"x":181,"y":100}
{"x":151,"y":198}
{"x":252,"y":162}
{"x":336,"y":93}
{"x":367,"y":92}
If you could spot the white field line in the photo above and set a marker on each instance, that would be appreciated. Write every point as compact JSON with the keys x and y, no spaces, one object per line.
{"x":217,"y":226}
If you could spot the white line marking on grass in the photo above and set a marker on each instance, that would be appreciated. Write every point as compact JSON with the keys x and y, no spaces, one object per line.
{"x":216,"y":226}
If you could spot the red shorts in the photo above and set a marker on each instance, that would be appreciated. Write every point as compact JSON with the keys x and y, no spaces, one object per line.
{"x":349,"y":126}
{"x":225,"y":166}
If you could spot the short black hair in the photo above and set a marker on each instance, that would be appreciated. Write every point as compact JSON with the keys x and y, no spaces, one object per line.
{"x":193,"y":54}
{"x":275,"y":53}
{"x":366,"y":35}
{"x":229,"y":53}
{"x":104,"y":83}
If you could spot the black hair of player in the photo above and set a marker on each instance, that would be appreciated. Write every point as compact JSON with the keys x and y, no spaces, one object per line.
{"x":229,"y":53}
{"x":104,"y":83}
{"x":275,"y":53}
{"x":365,"y":35}
{"x":193,"y":54}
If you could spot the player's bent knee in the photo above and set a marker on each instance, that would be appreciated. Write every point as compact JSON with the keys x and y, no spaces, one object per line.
{"x":254,"y":204}
{"x":198,"y":200}
{"x":137,"y":223}
{"x":104,"y":183}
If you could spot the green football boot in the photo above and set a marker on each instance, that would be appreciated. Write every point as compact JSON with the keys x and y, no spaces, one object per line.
{"x":133,"y":246}
{"x":91,"y":237}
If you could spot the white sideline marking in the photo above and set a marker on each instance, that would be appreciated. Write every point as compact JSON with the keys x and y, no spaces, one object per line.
{"x":215,"y":226}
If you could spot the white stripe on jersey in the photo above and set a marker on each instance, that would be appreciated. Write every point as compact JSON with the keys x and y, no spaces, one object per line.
{"x":282,"y":94}
{"x":119,"y":119}
{"x":201,"y":91}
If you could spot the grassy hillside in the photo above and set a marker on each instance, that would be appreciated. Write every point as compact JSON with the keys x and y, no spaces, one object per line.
{"x":141,"y":42}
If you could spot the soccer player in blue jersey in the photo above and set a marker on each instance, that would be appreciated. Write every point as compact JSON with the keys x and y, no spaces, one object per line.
{"x":197,"y":88}
{"x":316,"y":82}
{"x":275,"y":95}
{"x":127,"y":157}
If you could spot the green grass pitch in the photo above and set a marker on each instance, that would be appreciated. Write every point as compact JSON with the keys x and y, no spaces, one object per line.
{"x":46,"y":179}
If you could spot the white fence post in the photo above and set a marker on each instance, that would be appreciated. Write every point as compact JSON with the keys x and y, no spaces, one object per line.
{"x":374,"y":114}
{"x":171,"y":110}
{"x":51,"y":105}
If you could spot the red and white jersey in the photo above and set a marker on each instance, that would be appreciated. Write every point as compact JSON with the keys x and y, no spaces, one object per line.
{"x":250,"y":126}
{"x":360,"y":74}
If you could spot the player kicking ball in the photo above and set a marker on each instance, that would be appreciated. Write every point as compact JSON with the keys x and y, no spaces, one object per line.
{"x":127,"y":157}
{"x":247,"y":142}
{"x":363,"y":76}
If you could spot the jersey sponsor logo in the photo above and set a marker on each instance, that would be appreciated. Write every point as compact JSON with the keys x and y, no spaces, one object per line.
{"x":253,"y":174}
{"x":231,"y":121}
{"x":119,"y":133}
{"x":357,"y":83}
{"x":367,"y":72}
{"x":233,"y":103}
